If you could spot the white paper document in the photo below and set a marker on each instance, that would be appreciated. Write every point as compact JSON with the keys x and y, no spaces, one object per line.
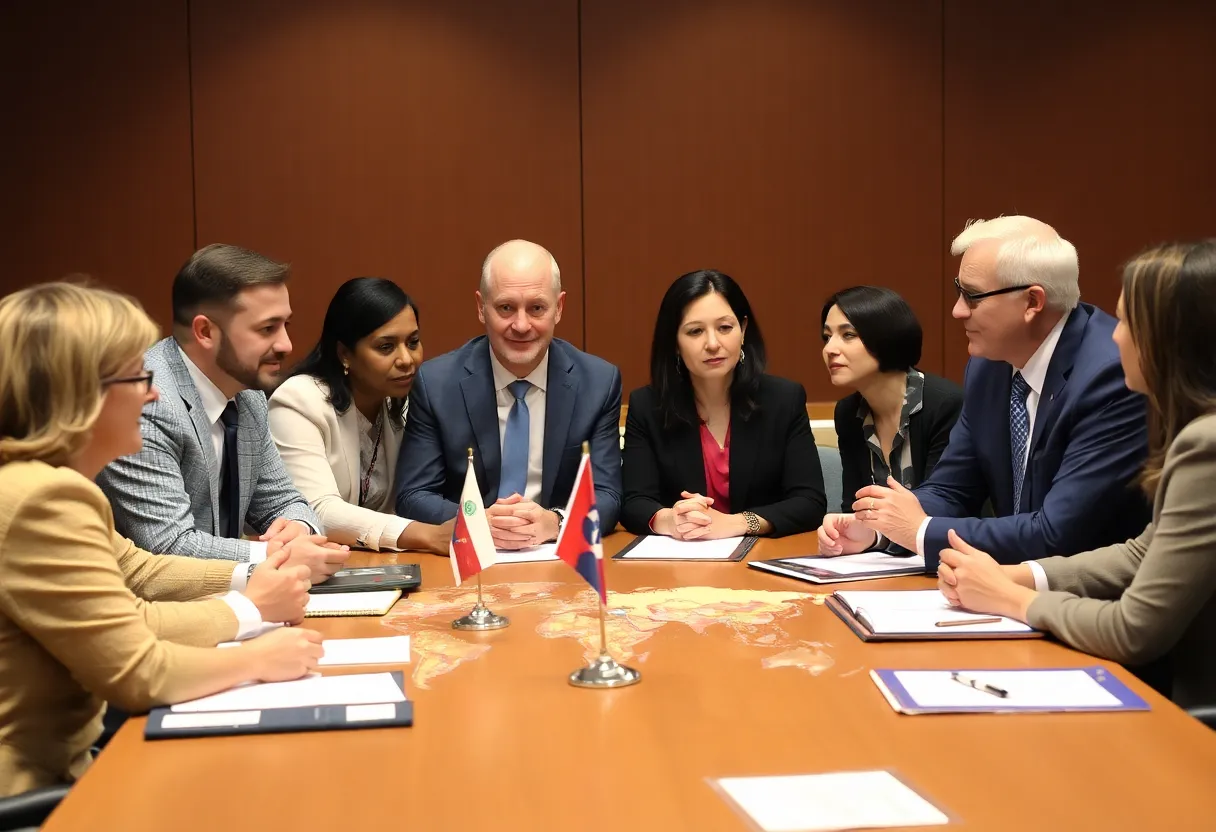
{"x":661,"y":547}
{"x":383,"y":650}
{"x":1027,"y":689}
{"x":842,"y":800}
{"x":359,"y":689}
{"x":906,"y":612}
{"x":864,"y":562}
{"x":545,"y":551}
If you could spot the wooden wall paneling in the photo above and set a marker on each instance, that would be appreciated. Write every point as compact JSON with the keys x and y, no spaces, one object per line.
{"x":95,"y":151}
{"x":796,"y":146}
{"x":399,"y":139}
{"x":1094,"y":117}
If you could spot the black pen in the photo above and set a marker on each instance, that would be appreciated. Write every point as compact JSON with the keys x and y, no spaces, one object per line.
{"x":978,"y":685}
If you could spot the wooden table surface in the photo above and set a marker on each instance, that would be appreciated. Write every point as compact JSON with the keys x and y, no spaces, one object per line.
{"x":502,"y":742}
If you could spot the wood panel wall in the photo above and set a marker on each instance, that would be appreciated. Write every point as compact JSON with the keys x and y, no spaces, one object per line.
{"x":800,"y":146}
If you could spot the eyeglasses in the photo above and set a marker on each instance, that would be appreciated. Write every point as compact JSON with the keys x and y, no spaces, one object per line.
{"x":145,"y":379}
{"x":973,"y":298}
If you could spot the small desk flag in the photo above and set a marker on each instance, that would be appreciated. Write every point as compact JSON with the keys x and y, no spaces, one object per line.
{"x":579,"y":543}
{"x":472,"y":548}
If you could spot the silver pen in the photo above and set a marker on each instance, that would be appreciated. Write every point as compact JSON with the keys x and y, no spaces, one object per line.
{"x":963,"y":679}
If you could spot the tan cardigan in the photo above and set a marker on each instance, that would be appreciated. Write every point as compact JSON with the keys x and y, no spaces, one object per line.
{"x":1136,"y":601}
{"x":73,"y":634}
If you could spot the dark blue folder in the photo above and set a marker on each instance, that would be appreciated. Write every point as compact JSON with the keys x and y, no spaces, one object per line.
{"x":280,"y":720}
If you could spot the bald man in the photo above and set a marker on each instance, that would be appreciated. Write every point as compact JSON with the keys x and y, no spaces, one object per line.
{"x":1049,"y":434}
{"x":524,"y":401}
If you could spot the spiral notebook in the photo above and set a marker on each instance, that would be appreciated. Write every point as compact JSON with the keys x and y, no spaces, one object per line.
{"x":351,"y":603}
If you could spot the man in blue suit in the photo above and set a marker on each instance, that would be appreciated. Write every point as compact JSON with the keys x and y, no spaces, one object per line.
{"x":1049,"y":434}
{"x":524,"y":401}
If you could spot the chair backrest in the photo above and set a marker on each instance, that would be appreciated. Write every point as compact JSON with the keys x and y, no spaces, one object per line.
{"x":833,"y":476}
{"x":29,"y":809}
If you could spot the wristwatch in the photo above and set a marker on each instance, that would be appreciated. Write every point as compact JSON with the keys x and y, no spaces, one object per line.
{"x":249,"y":571}
{"x":753,"y":522}
{"x":561,"y":518}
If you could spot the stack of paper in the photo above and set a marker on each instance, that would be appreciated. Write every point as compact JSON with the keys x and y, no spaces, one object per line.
{"x":863,"y":567}
{"x":312,"y":691}
{"x":842,"y":800}
{"x":545,"y":551}
{"x":986,"y":691}
{"x":661,"y":547}
{"x":922,"y":612}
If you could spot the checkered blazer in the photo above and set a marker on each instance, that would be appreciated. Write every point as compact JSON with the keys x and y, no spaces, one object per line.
{"x":166,"y":497}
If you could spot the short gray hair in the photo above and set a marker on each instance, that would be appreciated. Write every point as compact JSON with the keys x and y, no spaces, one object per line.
{"x":1031,"y":252}
{"x":554,"y":271}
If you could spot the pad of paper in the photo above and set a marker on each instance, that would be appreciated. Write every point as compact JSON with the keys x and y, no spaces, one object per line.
{"x":843,"y":800}
{"x":661,"y":547}
{"x":864,"y":562}
{"x":918,"y":611}
{"x":545,"y":551}
{"x":359,"y":689}
{"x":345,"y":603}
{"x":1027,"y":689}
{"x":383,"y":650}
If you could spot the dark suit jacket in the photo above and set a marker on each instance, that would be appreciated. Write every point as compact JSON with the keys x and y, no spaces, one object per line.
{"x":774,"y":466}
{"x":453,"y":408}
{"x":1089,"y":443}
{"x":928,"y":433}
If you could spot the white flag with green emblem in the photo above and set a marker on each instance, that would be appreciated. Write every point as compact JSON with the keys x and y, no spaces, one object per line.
{"x":472,"y":548}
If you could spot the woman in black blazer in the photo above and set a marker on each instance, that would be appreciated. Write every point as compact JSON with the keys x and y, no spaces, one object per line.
{"x":898,"y":422}
{"x":713,"y":446}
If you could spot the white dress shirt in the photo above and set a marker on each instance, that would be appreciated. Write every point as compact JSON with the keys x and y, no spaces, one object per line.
{"x":249,"y":619}
{"x":535,"y":400}
{"x":1035,"y":375}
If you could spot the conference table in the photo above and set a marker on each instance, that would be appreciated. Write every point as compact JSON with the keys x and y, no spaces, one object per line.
{"x":735,"y":682}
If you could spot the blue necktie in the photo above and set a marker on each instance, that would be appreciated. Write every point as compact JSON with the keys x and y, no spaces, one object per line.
{"x":1019,"y":434}
{"x":514,"y":476}
{"x":230,"y":477}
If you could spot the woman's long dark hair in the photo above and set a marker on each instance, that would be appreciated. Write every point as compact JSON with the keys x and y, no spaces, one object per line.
{"x":670,"y":380}
{"x":359,"y":307}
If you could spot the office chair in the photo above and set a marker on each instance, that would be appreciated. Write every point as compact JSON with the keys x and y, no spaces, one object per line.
{"x":1205,"y":714}
{"x":25,"y":812}
{"x":833,"y":476}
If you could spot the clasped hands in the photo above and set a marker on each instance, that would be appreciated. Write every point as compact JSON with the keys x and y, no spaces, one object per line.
{"x":516,"y":523}
{"x":890,"y":510}
{"x":295,"y":560}
{"x":694,"y":518}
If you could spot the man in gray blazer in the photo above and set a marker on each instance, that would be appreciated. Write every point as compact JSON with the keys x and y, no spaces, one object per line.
{"x":525,"y":400}
{"x":208,"y":465}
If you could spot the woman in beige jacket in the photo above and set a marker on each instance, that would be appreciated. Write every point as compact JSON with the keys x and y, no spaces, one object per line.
{"x":1153,"y":596}
{"x":85,"y":616}
{"x":338,"y":420}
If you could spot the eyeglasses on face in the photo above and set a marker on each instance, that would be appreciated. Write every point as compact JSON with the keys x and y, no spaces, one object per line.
{"x":144,"y":378}
{"x":973,"y":298}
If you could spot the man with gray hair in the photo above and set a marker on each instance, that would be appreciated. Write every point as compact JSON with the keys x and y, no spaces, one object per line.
{"x":1049,"y":434}
{"x":524,"y":400}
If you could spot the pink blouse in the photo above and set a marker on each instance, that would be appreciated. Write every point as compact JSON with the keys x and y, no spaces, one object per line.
{"x":717,"y":468}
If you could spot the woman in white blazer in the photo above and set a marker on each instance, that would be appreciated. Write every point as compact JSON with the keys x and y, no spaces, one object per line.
{"x":338,"y":420}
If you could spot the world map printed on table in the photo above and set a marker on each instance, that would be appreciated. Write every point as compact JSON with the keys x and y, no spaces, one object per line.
{"x":753,"y":616}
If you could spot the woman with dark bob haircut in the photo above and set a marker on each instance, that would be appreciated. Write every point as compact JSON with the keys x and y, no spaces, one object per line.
{"x":714,"y":447}
{"x":898,"y":421}
{"x":338,"y":420}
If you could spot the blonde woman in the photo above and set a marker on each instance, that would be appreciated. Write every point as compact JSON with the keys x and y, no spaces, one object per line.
{"x":1154,"y":596}
{"x":85,"y":616}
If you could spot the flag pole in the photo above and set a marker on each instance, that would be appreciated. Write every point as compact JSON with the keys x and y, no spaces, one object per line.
{"x":480,"y":617}
{"x":604,"y":672}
